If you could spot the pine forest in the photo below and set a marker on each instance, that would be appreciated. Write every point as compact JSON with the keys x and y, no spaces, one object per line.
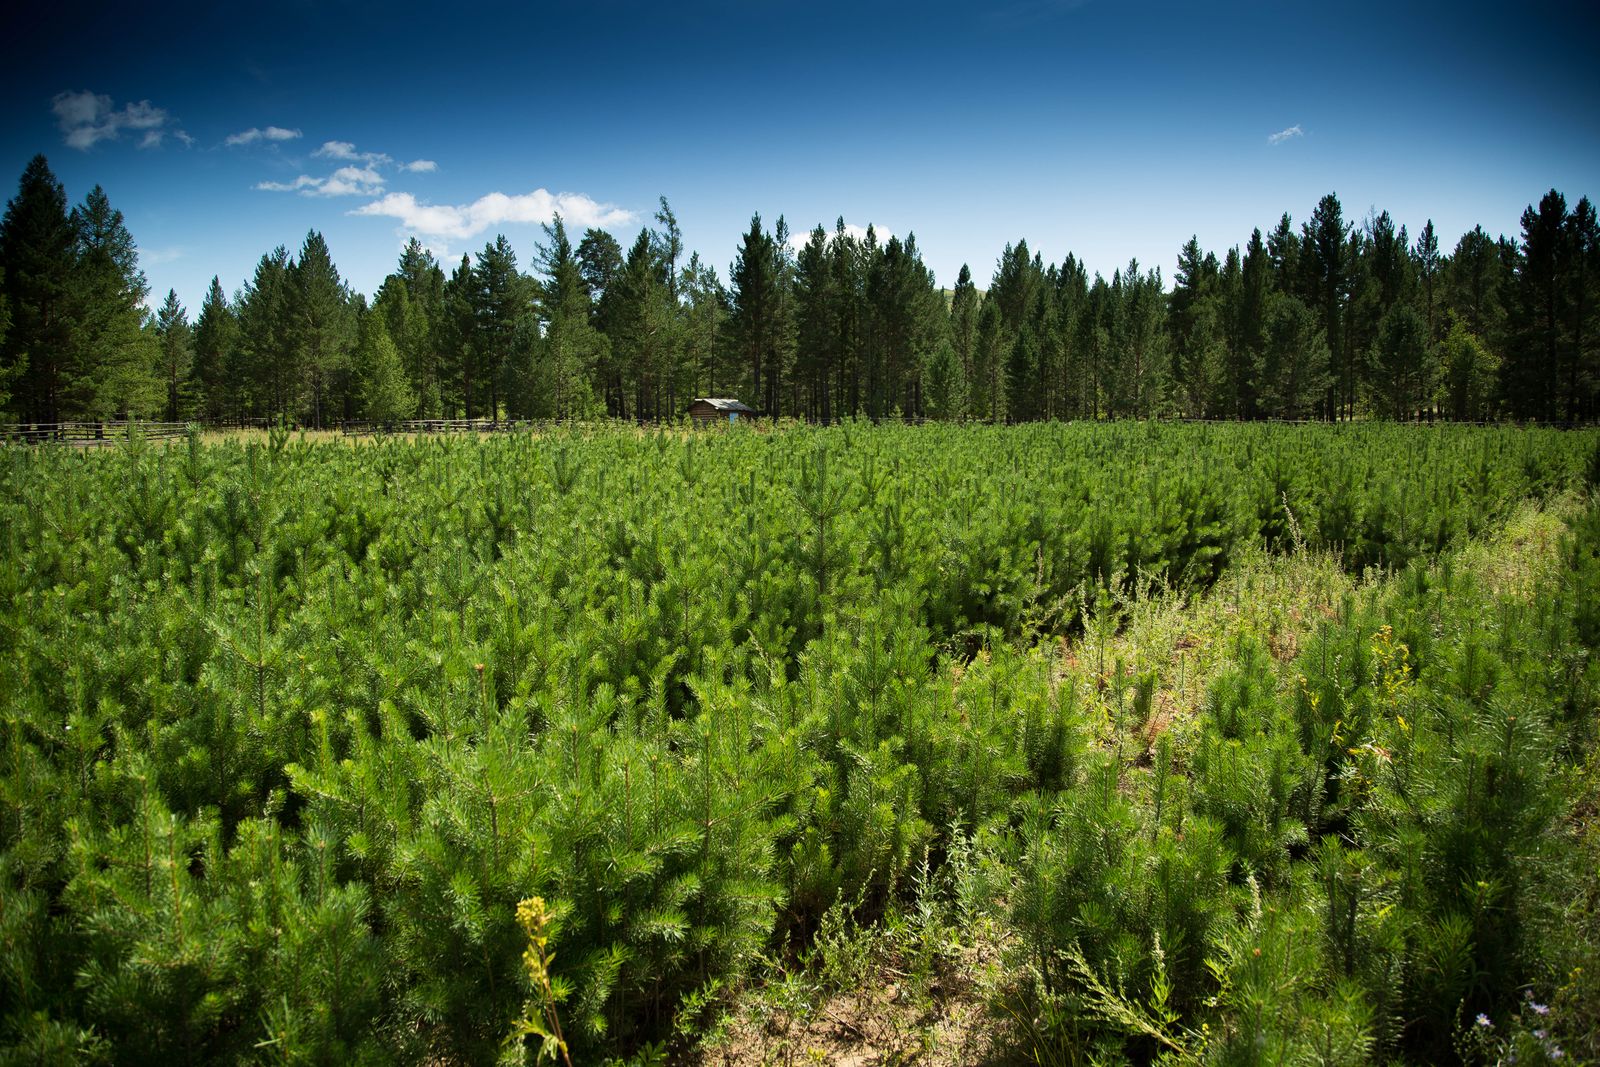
{"x":1071,"y":671}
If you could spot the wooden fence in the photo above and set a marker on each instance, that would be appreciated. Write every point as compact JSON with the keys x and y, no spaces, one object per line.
{"x":362,"y":427}
{"x":90,"y":434}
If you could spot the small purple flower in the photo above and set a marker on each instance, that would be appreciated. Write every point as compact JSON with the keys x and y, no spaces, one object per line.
{"x":1483,"y":1021}
{"x":1541,"y":1034}
{"x":1556,"y":1053}
{"x":1540,"y":1009}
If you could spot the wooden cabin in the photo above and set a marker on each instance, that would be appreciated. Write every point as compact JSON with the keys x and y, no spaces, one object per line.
{"x":718,"y":409}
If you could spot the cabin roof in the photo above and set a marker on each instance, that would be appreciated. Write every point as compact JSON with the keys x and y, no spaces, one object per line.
{"x":726,"y":404}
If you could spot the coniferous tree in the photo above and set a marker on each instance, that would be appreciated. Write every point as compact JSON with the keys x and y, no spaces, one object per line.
{"x":386,"y":395}
{"x":1582,"y":376}
{"x":1531,"y":370}
{"x":1139,"y":348}
{"x":500,"y":303}
{"x":572,"y":350}
{"x":1072,"y":297}
{"x":816,"y":306}
{"x":412,"y":302}
{"x":600,"y":265}
{"x":36,"y":254}
{"x":941,"y":375}
{"x":667,"y":245}
{"x":1473,"y":283}
{"x":8,"y":372}
{"x":781,"y":358}
{"x":1400,"y":373}
{"x":850,"y":260}
{"x":754,"y":283}
{"x":704,"y":327}
{"x":964,"y":302}
{"x":176,"y":356}
{"x":1469,"y":375}
{"x":1247,"y":353}
{"x":644,"y":341}
{"x":1428,"y":264}
{"x":1283,"y":250}
{"x":216,"y":373}
{"x":266,"y":339}
{"x":989,"y":356}
{"x":109,"y":349}
{"x":1195,"y":326}
{"x":321,"y":325}
{"x":1324,"y":252}
{"x":1298,"y":368}
{"x":454,"y":339}
{"x":900,"y":298}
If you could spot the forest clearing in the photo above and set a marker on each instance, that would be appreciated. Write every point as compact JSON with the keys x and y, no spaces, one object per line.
{"x":1054,"y":743}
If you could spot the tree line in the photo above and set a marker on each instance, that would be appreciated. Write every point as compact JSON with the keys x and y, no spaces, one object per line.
{"x":1332,"y":319}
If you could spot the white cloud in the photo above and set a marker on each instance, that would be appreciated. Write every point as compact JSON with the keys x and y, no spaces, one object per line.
{"x":253,"y":134}
{"x":344,"y":150}
{"x":420,"y":166}
{"x":87,"y":118}
{"x":797,"y":241}
{"x":496,"y":209}
{"x":346,"y":181}
{"x":1284,"y":135}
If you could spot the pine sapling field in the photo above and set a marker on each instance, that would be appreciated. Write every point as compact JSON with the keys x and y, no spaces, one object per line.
{"x":1151,"y":743}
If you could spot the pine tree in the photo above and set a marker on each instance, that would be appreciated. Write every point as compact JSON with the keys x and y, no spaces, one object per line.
{"x":1583,"y":274}
{"x":600,"y":265}
{"x":408,"y":329}
{"x":991,"y":361}
{"x":453,"y":337}
{"x":1326,"y":266}
{"x":781,"y":356}
{"x":704,"y":327}
{"x":501,"y":300}
{"x":415,"y":324}
{"x":1298,"y":367}
{"x":667,"y":245}
{"x":110,"y":349}
{"x":850,"y":261}
{"x":9,"y":373}
{"x":269,"y":362}
{"x":964,"y":338}
{"x":942,"y":375}
{"x":1247,"y":354}
{"x":1474,"y":283}
{"x":816,"y":331}
{"x":176,"y":356}
{"x":1192,"y":320}
{"x":754,"y":285}
{"x":1469,"y":377}
{"x":386,"y":395}
{"x":1531,"y":370}
{"x":1283,"y":250}
{"x":1072,"y":298}
{"x":1428,"y":268}
{"x":36,"y":255}
{"x":1401,"y":376}
{"x":644,"y":342}
{"x":573,"y":351}
{"x":321,"y":325}
{"x":216,"y":338}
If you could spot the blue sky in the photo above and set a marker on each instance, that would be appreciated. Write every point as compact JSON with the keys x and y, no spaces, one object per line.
{"x":1110,"y":130}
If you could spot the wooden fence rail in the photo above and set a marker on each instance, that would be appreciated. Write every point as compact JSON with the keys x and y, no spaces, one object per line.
{"x":90,"y":434}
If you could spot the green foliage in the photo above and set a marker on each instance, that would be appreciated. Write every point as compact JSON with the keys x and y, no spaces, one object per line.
{"x":386,"y":395}
{"x":292,"y":729}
